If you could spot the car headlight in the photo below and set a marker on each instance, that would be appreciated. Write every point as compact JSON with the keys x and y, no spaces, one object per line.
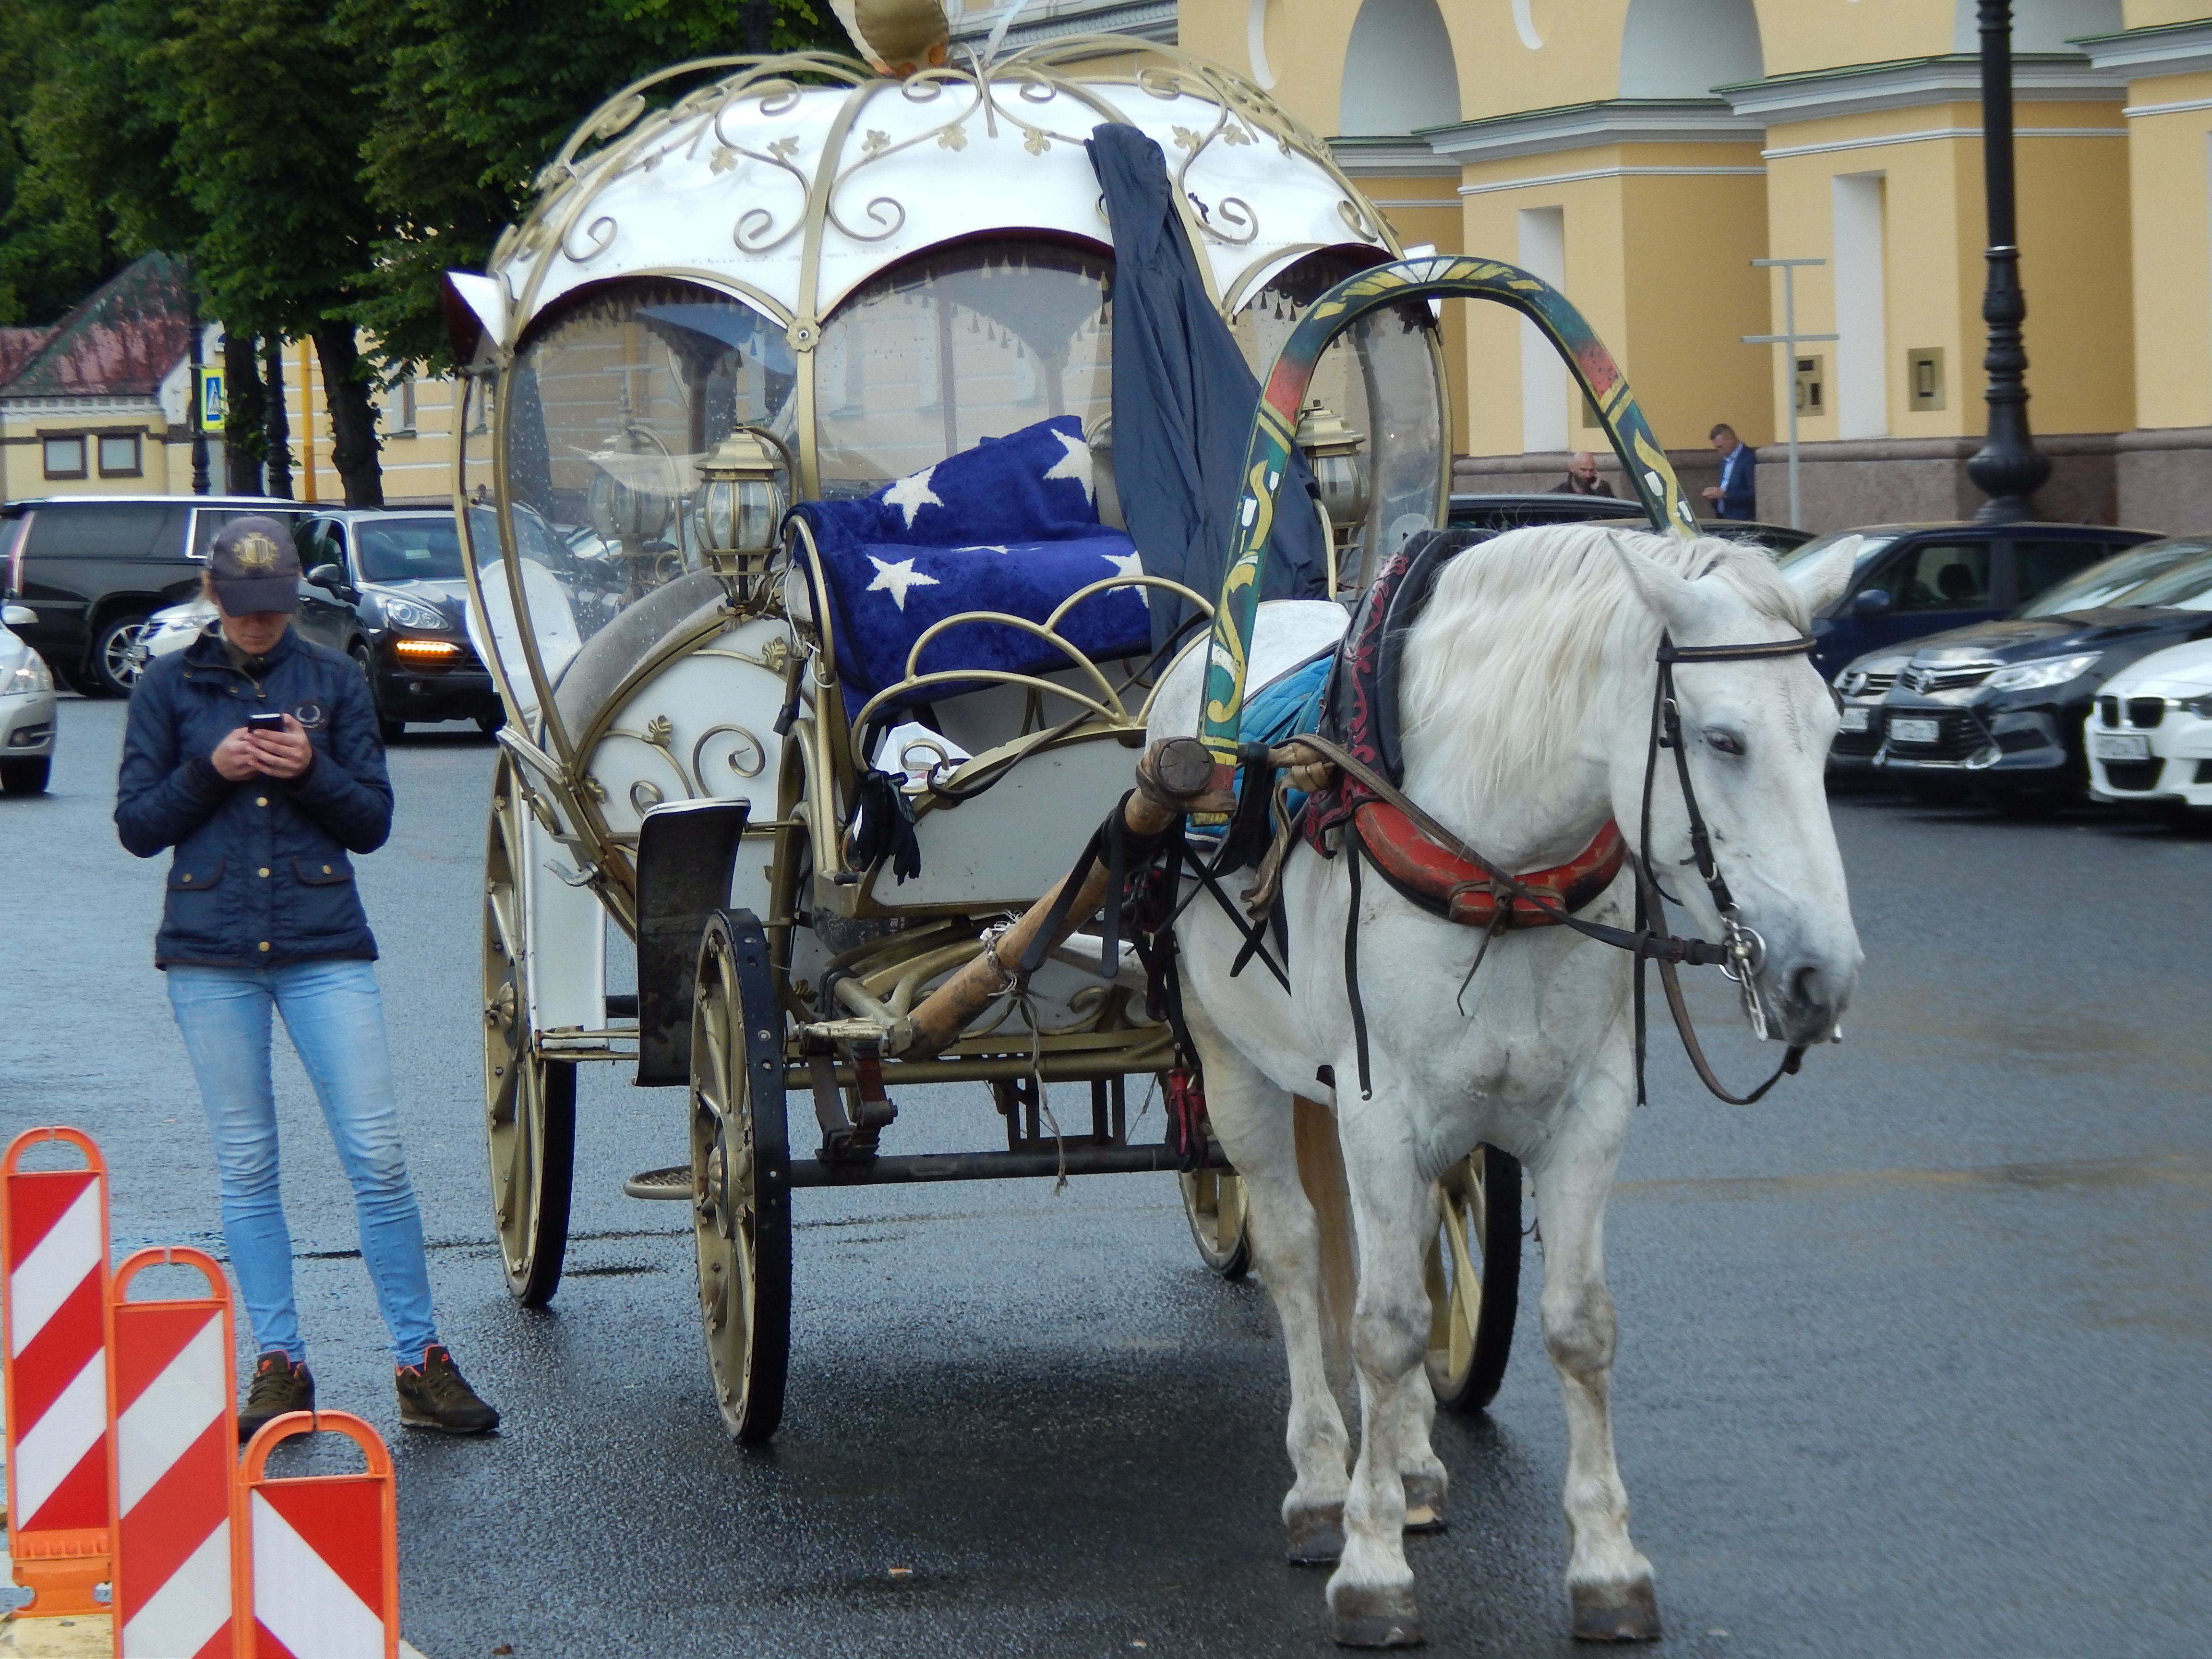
{"x":28,"y":676}
{"x":2044,"y":670}
{"x":405,"y":613}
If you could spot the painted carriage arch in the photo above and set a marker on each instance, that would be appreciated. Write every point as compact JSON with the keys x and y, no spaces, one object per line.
{"x":1274,"y":429}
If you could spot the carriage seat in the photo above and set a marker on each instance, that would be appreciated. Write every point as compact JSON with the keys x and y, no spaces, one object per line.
{"x":1010,"y":525}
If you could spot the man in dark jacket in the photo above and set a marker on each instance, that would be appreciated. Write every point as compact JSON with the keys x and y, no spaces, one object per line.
{"x":1736,"y":496}
{"x":255,"y":755}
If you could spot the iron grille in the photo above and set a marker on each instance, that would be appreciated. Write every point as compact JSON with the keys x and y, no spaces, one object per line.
{"x":1947,"y":677}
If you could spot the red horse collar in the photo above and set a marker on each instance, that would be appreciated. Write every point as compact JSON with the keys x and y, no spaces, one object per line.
{"x":1449,"y":887}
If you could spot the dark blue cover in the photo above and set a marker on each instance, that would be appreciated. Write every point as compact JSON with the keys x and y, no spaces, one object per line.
{"x":1009,"y":526}
{"x":1184,"y":400}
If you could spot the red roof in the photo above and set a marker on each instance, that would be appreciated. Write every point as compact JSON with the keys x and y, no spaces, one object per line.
{"x":121,"y":342}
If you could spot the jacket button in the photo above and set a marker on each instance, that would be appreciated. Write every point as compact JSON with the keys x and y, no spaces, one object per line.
{"x":264,"y":869}
{"x":261,"y":800}
{"x":326,"y":869}
{"x":264,"y":943}
{"x":188,"y":879}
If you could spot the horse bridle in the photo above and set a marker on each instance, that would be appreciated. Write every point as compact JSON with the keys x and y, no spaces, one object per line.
{"x":1743,"y":950}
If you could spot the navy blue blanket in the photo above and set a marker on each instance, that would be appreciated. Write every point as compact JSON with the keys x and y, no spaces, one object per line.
{"x":1010,"y":525}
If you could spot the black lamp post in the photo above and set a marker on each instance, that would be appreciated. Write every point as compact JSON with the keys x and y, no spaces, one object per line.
{"x":2007,"y":468}
{"x":200,"y":480}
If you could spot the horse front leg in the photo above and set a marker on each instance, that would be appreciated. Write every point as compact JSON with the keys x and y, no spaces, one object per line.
{"x":1371,"y":1597}
{"x":1609,"y":1587}
{"x":1253,"y":1120}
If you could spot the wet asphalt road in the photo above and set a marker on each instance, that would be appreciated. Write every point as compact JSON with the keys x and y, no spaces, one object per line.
{"x":1914,"y":1357}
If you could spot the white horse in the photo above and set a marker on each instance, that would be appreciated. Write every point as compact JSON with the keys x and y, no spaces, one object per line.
{"x":1526,"y":704}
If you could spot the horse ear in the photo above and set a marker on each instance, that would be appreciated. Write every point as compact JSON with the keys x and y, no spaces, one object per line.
{"x":1669,"y":596}
{"x":1822,"y":582}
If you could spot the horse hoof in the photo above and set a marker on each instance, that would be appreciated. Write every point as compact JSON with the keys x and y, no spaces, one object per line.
{"x":1425,"y":1504}
{"x":1604,"y":1614}
{"x":1317,"y":1536}
{"x":1364,"y":1618}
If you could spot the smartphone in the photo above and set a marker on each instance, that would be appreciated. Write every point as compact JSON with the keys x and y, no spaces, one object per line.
{"x":265,"y":722}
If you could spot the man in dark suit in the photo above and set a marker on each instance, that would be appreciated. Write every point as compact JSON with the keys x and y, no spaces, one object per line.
{"x":1736,"y":496}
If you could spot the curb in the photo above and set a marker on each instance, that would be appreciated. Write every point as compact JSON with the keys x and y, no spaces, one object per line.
{"x":75,"y":1638}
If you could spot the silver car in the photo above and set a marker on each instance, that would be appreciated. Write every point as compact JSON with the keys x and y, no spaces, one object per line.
{"x":27,"y":709}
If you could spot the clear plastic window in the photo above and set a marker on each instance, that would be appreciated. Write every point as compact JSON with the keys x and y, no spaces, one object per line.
{"x":1380,"y":377}
{"x":968,"y":343}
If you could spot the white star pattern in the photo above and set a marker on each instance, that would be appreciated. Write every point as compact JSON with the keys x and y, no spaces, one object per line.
{"x":894,"y":577}
{"x":984,"y":547}
{"x":911,"y":493}
{"x":1076,"y":464}
{"x":1129,"y":564}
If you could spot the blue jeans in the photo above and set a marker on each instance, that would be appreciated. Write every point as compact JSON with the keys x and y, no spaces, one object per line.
{"x":336,"y":1019}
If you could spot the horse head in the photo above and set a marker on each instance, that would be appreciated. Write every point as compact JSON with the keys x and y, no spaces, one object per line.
{"x":1754,"y":733}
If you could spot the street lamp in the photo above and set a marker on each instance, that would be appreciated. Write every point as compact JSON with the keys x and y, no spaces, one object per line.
{"x":2007,"y":468}
{"x":743,"y":491}
{"x":1341,"y":475}
{"x":626,"y":502}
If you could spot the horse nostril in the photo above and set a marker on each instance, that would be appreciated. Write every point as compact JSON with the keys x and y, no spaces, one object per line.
{"x":1805,"y":987}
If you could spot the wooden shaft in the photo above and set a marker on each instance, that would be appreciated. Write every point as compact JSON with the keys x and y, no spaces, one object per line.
{"x":946,"y":1011}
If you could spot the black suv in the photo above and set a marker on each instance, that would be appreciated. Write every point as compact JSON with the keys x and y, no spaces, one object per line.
{"x":1501,"y":512}
{"x":94,"y":567}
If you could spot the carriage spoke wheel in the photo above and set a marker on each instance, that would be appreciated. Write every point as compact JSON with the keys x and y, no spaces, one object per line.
{"x":530,"y":1105}
{"x":1213,"y":1202}
{"x":740,"y":1207}
{"x":1474,"y":1278}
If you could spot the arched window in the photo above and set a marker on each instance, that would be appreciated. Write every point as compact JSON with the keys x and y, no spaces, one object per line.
{"x":1685,"y":48}
{"x":2039,"y":25}
{"x":1399,"y":75}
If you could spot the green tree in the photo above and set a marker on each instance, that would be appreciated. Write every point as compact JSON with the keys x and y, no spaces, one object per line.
{"x":475,"y":98}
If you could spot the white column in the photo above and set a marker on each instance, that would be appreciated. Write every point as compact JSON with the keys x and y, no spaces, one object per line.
{"x":1862,"y":346}
{"x":1542,"y":252}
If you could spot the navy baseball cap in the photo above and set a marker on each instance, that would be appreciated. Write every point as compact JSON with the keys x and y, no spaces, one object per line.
{"x":255,"y":566}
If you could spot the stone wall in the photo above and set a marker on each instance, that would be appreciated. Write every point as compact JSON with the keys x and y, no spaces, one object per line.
{"x":2165,"y":479}
{"x":1696,"y":469}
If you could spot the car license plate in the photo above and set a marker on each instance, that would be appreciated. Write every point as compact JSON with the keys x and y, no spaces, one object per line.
{"x":1906,"y":729}
{"x":2120,"y":745}
{"x":1856,"y":719}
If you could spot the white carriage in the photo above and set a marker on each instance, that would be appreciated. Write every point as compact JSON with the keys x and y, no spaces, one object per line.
{"x":751,"y":283}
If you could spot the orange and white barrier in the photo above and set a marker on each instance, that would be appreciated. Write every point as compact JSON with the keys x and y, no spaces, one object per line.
{"x":175,"y":1438}
{"x":319,"y":1562}
{"x":53,"y":1261}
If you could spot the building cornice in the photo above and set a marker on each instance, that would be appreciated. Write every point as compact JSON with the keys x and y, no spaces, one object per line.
{"x":2169,"y":49}
{"x":1955,"y":78}
{"x":1390,"y":157}
{"x":1054,"y":20}
{"x":1581,"y":126}
{"x":77,"y":408}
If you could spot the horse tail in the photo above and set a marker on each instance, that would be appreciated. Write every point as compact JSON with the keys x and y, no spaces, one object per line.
{"x":1321,"y":1172}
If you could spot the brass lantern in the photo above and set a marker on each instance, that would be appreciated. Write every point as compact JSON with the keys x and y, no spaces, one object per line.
{"x":1335,"y":452}
{"x":743,"y":493}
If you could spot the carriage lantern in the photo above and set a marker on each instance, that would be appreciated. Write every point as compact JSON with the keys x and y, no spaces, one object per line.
{"x":743,"y":491}
{"x":628,"y":501}
{"x":1339,"y":468}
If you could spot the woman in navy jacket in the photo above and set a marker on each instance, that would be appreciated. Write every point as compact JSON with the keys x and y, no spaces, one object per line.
{"x":262,"y":917}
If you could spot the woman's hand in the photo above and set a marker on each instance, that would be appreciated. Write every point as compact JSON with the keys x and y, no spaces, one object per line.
{"x":284,"y":754}
{"x":234,"y":758}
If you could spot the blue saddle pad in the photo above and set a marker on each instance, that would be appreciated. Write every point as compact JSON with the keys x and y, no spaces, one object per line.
{"x":1010,"y":525}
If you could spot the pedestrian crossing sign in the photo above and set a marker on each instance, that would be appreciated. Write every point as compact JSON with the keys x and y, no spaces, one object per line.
{"x":207,"y":398}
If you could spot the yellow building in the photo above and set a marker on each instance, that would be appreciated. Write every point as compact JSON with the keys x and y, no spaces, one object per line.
{"x":1643,"y":153}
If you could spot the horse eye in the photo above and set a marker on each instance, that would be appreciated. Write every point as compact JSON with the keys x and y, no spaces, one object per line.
{"x":1727,"y":742}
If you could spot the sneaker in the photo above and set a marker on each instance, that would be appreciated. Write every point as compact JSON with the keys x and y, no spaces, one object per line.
{"x":433,"y":1396}
{"x":279,"y":1386}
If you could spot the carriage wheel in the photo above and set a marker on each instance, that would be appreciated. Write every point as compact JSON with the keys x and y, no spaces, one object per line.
{"x":1474,"y":1280}
{"x":740,"y":1206}
{"x":530,"y":1105}
{"x":1213,"y":1202}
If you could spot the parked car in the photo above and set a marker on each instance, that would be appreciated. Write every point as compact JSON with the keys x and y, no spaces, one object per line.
{"x":2150,"y":733}
{"x":27,"y":707}
{"x":93,"y":568}
{"x":397,"y":573}
{"x":1502,"y":511}
{"x":2002,"y":705}
{"x":1914,"y":580}
{"x":1865,"y":682}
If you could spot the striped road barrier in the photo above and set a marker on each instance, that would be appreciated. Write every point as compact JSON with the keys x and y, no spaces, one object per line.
{"x":53,"y":1261}
{"x":319,"y":1562}
{"x":176,"y":1439}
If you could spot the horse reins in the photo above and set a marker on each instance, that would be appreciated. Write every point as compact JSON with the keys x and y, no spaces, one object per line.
{"x":1740,"y":952}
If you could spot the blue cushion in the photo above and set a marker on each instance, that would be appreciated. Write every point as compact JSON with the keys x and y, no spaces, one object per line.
{"x":1010,"y":525}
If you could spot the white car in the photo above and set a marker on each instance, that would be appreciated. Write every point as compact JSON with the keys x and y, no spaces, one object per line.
{"x":172,"y":629}
{"x":2150,"y":733}
{"x":27,"y":707}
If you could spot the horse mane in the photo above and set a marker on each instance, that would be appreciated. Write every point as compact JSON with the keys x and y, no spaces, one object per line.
{"x":1502,"y":667}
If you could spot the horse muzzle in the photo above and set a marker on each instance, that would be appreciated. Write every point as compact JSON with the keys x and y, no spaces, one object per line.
{"x":1803,"y":995}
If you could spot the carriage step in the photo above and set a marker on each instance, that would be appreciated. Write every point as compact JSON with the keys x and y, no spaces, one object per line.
{"x":674,"y":1182}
